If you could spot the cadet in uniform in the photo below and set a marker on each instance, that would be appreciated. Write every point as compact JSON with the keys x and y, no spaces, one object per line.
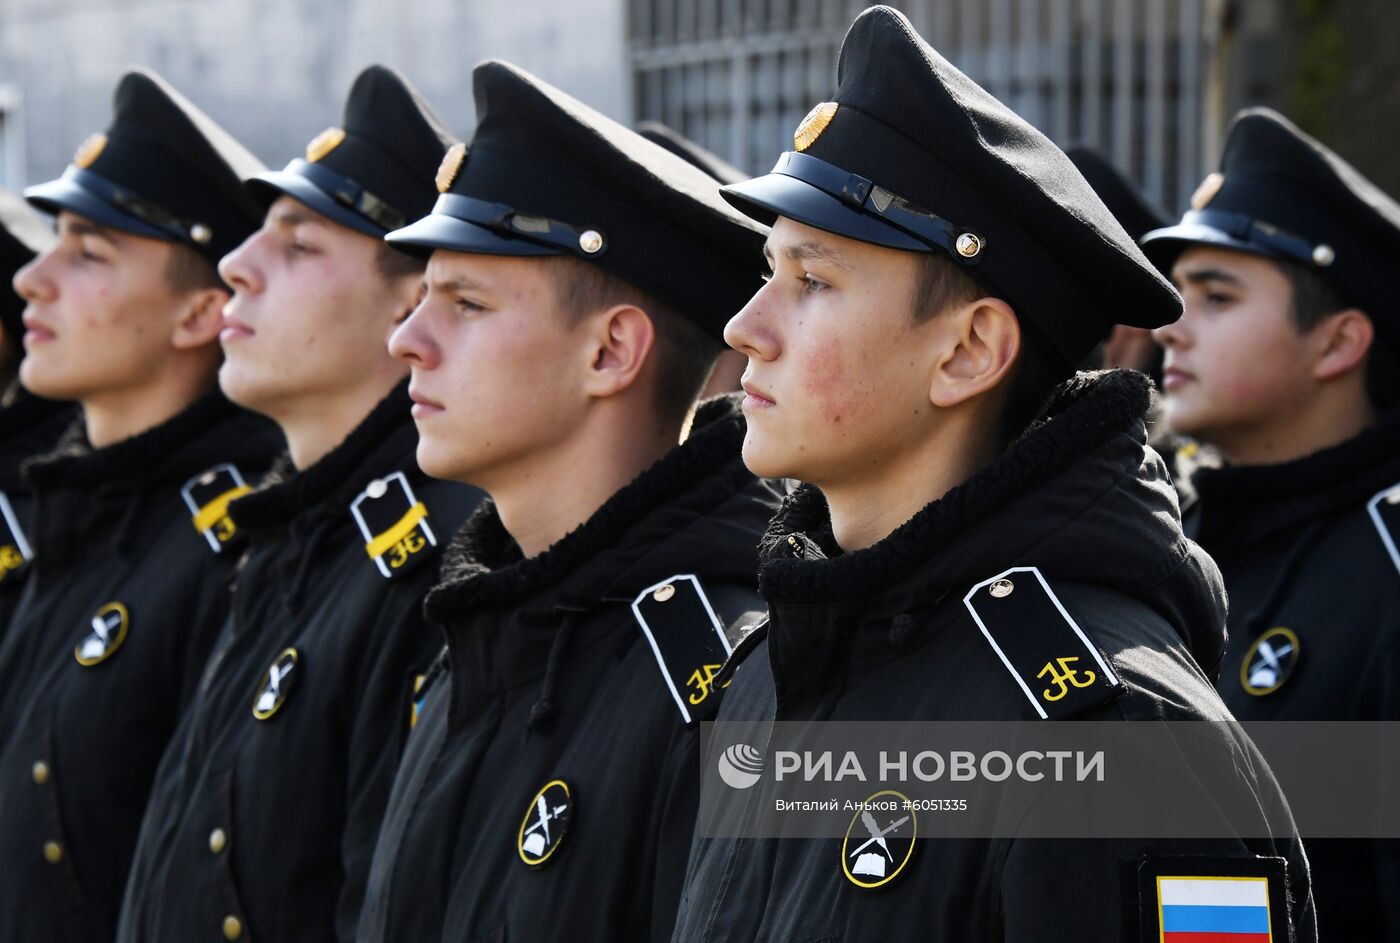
{"x":578,"y":281}
{"x":972,"y":529}
{"x":132,"y":548}
{"x":29,"y":424}
{"x":264,"y":812}
{"x":1288,"y":363}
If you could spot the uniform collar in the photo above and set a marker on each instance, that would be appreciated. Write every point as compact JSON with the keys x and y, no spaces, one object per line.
{"x":383,"y":442}
{"x":483,"y":567}
{"x":1084,"y":414}
{"x":180,"y":445}
{"x":30,"y":425}
{"x":1237,"y":505}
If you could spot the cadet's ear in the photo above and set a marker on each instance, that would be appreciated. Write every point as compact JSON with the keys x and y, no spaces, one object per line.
{"x":201,"y":320}
{"x":1343,"y":340}
{"x":620,"y":340}
{"x":977,"y":344}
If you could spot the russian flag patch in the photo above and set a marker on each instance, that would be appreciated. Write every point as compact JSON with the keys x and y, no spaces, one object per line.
{"x":1214,"y":910}
{"x":1214,"y":900}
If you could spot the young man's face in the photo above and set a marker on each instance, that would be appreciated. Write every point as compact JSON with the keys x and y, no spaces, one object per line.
{"x":838,"y":378}
{"x":497,"y":368}
{"x":1235,"y":361}
{"x":100,"y":307}
{"x":311,"y":311}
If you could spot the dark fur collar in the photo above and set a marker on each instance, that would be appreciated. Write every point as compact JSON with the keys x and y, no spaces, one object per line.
{"x":164,"y":451}
{"x":483,"y":565}
{"x":1083,"y":414}
{"x":29,"y":426}
{"x":1345,"y":474}
{"x":340,"y":474}
{"x":23,"y":411}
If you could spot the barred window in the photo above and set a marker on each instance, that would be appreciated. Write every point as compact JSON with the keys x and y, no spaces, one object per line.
{"x":1134,"y":78}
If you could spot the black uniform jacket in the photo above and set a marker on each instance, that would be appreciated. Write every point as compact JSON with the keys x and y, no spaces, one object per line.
{"x":264,"y":810}
{"x":117,"y":614}
{"x":551,"y":679}
{"x":884,"y":634}
{"x":29,"y":426}
{"x":1308,"y":551}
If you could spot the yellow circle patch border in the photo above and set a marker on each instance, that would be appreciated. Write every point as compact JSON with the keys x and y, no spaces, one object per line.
{"x":913,"y":840}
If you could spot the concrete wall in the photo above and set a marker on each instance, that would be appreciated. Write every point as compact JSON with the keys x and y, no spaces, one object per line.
{"x":275,"y":72}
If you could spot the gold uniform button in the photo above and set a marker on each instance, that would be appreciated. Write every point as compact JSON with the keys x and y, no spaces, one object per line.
{"x":53,"y":852}
{"x":664,"y":593}
{"x":218,"y":838}
{"x":40,"y":772}
{"x":1002,"y":588}
{"x":233,"y":927}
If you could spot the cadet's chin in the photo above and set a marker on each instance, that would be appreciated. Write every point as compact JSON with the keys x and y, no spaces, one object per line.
{"x":439,"y":462}
{"x":36,"y":376}
{"x":241,"y":386}
{"x":764,"y":458}
{"x":1183,"y":418}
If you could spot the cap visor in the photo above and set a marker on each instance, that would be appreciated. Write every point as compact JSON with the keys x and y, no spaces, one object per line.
{"x":1162,"y":246}
{"x":267,"y":187}
{"x":61,"y":194}
{"x":766,"y":198}
{"x":440,"y":231}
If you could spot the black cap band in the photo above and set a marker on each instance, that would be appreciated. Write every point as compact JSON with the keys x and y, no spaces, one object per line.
{"x":1266,"y":238}
{"x":349,"y":194}
{"x":191,"y":232}
{"x":869,"y":197}
{"x":508,"y":220}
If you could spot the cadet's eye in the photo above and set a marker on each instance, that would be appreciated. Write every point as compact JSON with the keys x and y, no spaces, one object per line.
{"x":813,"y":285}
{"x":467,"y":306}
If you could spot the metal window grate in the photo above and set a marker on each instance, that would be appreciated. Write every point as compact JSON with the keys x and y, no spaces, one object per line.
{"x":1131,"y":77}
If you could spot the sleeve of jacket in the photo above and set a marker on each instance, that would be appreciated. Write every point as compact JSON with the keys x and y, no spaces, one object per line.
{"x":398,"y":644}
{"x":1090,"y":889}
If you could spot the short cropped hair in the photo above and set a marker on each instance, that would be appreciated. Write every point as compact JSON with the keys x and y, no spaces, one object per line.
{"x":188,"y":271}
{"x":394,"y":264}
{"x":1313,"y":301}
{"x":685,"y":354}
{"x":940,"y":285}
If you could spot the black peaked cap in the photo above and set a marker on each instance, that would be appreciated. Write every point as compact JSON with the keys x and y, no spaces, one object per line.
{"x":547,"y":175}
{"x":1283,"y":195}
{"x":686,"y":149}
{"x":912,"y":154}
{"x":23,"y":235}
{"x":374,"y":173}
{"x":162,"y":169}
{"x":1122,"y":197}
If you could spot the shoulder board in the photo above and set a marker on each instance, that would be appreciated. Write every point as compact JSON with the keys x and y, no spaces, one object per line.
{"x":14,"y":546}
{"x":208,"y":495}
{"x":1384,"y":509}
{"x":688,"y":640}
{"x":394,"y":525}
{"x":1050,"y":658}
